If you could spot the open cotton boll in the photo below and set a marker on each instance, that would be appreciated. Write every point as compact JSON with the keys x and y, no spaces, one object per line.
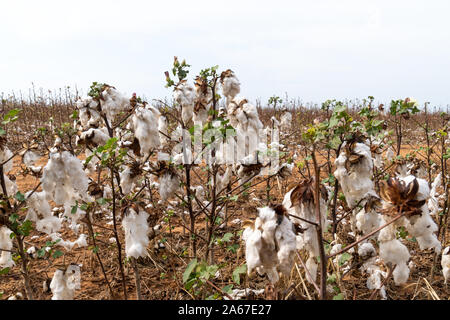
{"x":128,"y":180}
{"x":396,"y":253}
{"x":312,"y":266}
{"x":169,"y":183}
{"x":64,"y":284}
{"x":113,"y":103}
{"x":64,"y":180}
{"x":30,"y":157}
{"x":366,"y":250}
{"x":184,"y":95}
{"x":433,"y":202}
{"x":136,"y":233}
{"x":7,"y":244}
{"x":6,"y":155}
{"x":390,"y":154}
{"x":270,"y":243}
{"x":357,"y":182}
{"x":145,"y":127}
{"x":38,"y":207}
{"x":11,"y":186}
{"x":88,"y":112}
{"x":223,"y":180}
{"x":69,"y":245}
{"x":230,"y":84}
{"x":286,"y":120}
{"x":445,"y":263}
{"x":95,"y":137}
{"x":163,"y":131}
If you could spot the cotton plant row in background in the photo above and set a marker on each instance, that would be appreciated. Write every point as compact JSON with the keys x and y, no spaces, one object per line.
{"x":133,"y":150}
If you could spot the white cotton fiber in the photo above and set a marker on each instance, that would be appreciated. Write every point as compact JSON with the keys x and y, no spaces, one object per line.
{"x":136,"y":233}
{"x":6,"y":243}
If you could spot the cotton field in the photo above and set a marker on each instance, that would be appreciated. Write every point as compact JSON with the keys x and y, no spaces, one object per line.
{"x":210,"y":195}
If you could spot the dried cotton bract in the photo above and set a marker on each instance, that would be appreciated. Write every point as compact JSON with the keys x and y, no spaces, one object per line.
{"x":269,"y":243}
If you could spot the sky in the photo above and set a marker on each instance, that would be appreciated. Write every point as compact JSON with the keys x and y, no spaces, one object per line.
{"x":310,"y":50}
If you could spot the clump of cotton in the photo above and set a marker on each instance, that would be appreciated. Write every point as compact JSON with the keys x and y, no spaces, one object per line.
{"x":202,"y":103}
{"x":355,"y":178}
{"x":113,"y":102}
{"x":29,"y":158}
{"x":222,"y":180}
{"x":366,"y":250}
{"x":299,"y":202}
{"x":64,"y":284}
{"x":270,"y":243}
{"x":433,"y":202}
{"x":445,"y":263}
{"x":128,"y":179}
{"x":286,"y":120}
{"x":169,"y":183}
{"x":136,"y":233}
{"x":374,"y":281}
{"x":88,"y":112}
{"x":94,"y":137}
{"x":397,"y":254}
{"x":145,"y":127}
{"x":163,"y":130}
{"x":65,"y":182}
{"x":39,"y":211}
{"x":69,"y":245}
{"x":6,"y":243}
{"x":184,"y":95}
{"x":230,"y":85}
{"x":63,"y":178}
{"x":6,"y":156}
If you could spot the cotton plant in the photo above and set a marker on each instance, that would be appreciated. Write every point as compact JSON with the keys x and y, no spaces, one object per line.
{"x":408,"y":195}
{"x":270,"y":243}
{"x":299,"y":202}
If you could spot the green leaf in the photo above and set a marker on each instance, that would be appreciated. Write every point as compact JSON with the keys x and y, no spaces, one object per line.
{"x":4,"y":271}
{"x":19,"y":196}
{"x":339,"y":296}
{"x":237,"y":273}
{"x":344,"y":258}
{"x":190,"y":267}
{"x":227,"y":237}
{"x":57,"y":254}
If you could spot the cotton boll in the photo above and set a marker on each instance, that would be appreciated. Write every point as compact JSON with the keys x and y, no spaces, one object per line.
{"x":286,"y":121}
{"x":145,"y":127}
{"x":184,"y":95}
{"x":6,"y":243}
{"x":270,"y":244}
{"x":433,"y":203}
{"x":69,"y":245}
{"x":128,"y":180}
{"x":230,"y":84}
{"x":6,"y":155}
{"x":136,"y":233}
{"x":223,"y":180}
{"x":401,"y":273}
{"x":29,"y":158}
{"x":60,"y":286}
{"x":390,"y":154}
{"x":11,"y":186}
{"x":163,"y":130}
{"x":113,"y":103}
{"x":366,"y":250}
{"x":169,"y":183}
{"x":94,"y":137}
{"x":311,"y":266}
{"x":445,"y":263}
{"x":356,"y":183}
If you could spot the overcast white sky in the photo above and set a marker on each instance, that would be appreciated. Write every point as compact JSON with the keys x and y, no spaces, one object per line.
{"x":313,"y":50}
